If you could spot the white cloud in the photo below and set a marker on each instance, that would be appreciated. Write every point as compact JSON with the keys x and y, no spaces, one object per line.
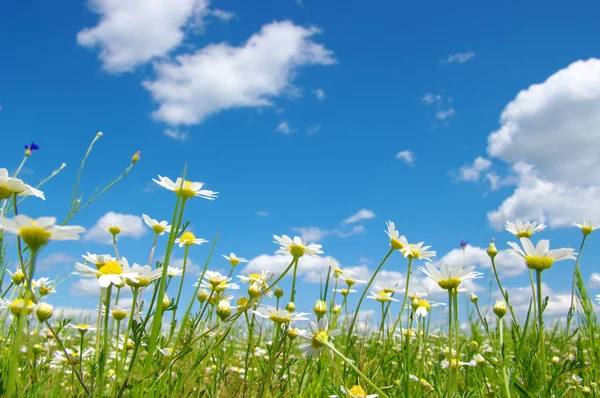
{"x":458,"y":58}
{"x":55,"y":259}
{"x":131,"y":226}
{"x":311,"y":234}
{"x":220,"y":76}
{"x":508,"y":263}
{"x":262,"y":213}
{"x":75,"y":314}
{"x":132,"y":32}
{"x":549,"y":134}
{"x":362,"y":214}
{"x":283,"y":128}
{"x":594,"y":280}
{"x":191,"y":268}
{"x":444,"y":114}
{"x":473,"y":172}
{"x":222,"y":15}
{"x":313,"y":129}
{"x":319,"y":93}
{"x":311,"y":268}
{"x":558,"y":303}
{"x":177,"y":134}
{"x":431,"y":98}
{"x":407,"y":157}
{"x":356,"y":230}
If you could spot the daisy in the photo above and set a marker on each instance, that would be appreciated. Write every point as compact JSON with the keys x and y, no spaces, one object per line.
{"x":337,"y":271}
{"x":44,"y":285}
{"x":215,"y":279}
{"x":396,"y":241}
{"x":449,"y":278}
{"x":412,"y":295}
{"x":159,"y":227}
{"x":455,"y":363}
{"x":144,"y":274}
{"x":587,"y":226}
{"x":174,"y":271}
{"x":382,"y":297}
{"x":279,"y":316}
{"x":344,"y":292}
{"x":523,"y":229}
{"x":418,"y":251}
{"x":38,"y":232}
{"x":17,"y":277}
{"x":263,"y":278}
{"x":188,"y":239}
{"x":186,"y":189}
{"x":111,"y":272}
{"x":221,"y":287}
{"x":541,"y":257}
{"x":98,"y":259}
{"x":387,"y":287}
{"x":10,"y":186}
{"x":234,"y":260}
{"x":350,"y":280}
{"x":17,"y":305}
{"x":422,"y":307}
{"x":318,"y":337}
{"x":72,"y":357}
{"x":166,"y":351}
{"x":424,"y":384}
{"x":82,"y":327}
{"x":297,"y":248}
{"x":355,"y":392}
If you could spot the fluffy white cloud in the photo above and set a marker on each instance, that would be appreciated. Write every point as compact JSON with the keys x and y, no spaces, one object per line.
{"x":508,"y":263}
{"x":177,"y":134}
{"x":284,"y":128}
{"x":313,"y":129}
{"x":473,"y":172}
{"x":550,"y":134}
{"x":132,"y":32}
{"x":222,"y":15}
{"x":220,"y":76}
{"x":311,"y":268}
{"x":594,"y":282}
{"x":55,"y":259}
{"x":319,"y":93}
{"x":262,"y":213}
{"x":362,"y":214}
{"x":407,"y":157}
{"x":458,"y":58}
{"x":558,"y":303}
{"x":311,"y":234}
{"x":432,"y":98}
{"x":131,"y":226}
{"x":191,"y":268}
{"x":444,"y":114}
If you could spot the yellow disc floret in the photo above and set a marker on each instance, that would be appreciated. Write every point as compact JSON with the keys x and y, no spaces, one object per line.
{"x":34,"y":237}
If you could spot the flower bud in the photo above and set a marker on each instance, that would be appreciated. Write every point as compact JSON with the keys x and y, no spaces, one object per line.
{"x":320,"y":308}
{"x":291,"y":307}
{"x":43,"y":312}
{"x":254,"y":290}
{"x":223,"y":309}
{"x":166,"y":302}
{"x":202,"y":295}
{"x":500,"y":309}
{"x":119,"y":314}
{"x":135,"y":158}
{"x":337,"y":309}
{"x":242,"y":302}
{"x":293,"y":333}
{"x":38,"y":349}
{"x":99,"y":134}
{"x":114,"y":230}
{"x":473,"y":345}
{"x":491,"y":250}
{"x":555,"y":360}
{"x":278,"y":292}
{"x":474,"y":298}
{"x":585,"y":390}
{"x":415,"y":304}
{"x":18,"y":277}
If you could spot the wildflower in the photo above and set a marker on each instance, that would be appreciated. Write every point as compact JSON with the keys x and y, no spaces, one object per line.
{"x":119,"y":313}
{"x":541,"y":257}
{"x":463,"y":244}
{"x":412,"y":295}
{"x":474,"y":298}
{"x":159,"y":227}
{"x":422,"y":307}
{"x":38,"y":232}
{"x":417,"y":251}
{"x":344,"y":292}
{"x":337,"y":309}
{"x":280,"y":316}
{"x":473,"y":345}
{"x":72,"y":357}
{"x":111,"y":272}
{"x":174,"y":271}
{"x":166,"y":301}
{"x":587,"y":227}
{"x":43,"y":312}
{"x":166,"y":351}
{"x":293,"y":333}
{"x":278,"y":292}
{"x":82,"y":327}
{"x":30,"y":148}
{"x":202,"y":295}
{"x":135,"y":158}
{"x":98,"y":259}
{"x":555,"y":360}
{"x":381,"y":296}
{"x":450,"y":278}
{"x":424,"y":384}
{"x":355,"y":392}
{"x":396,"y":241}
{"x":44,"y":285}
{"x":523,"y":230}
{"x":17,"y":277}
{"x":188,"y":239}
{"x":455,"y":363}
{"x":351,"y":281}
{"x":491,"y":250}
{"x":296,"y":247}
{"x":337,"y":271}
{"x":223,"y":308}
{"x":500,"y":309}
{"x":318,"y":337}
{"x":10,"y":186}
{"x":261,"y":278}
{"x":215,"y":280}
{"x":234,"y":260}
{"x":144,"y":274}
{"x":320,"y":308}
{"x":186,"y":189}
{"x":291,"y":307}
{"x":254,"y":290}
{"x":17,"y":305}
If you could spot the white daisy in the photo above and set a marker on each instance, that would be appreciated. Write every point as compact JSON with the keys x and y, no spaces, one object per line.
{"x":350,"y":280}
{"x":186,"y":189}
{"x":541,"y":257}
{"x":17,"y":305}
{"x":318,"y":337}
{"x":111,"y":272}
{"x":174,"y":271}
{"x":296,"y":247}
{"x":279,"y":316}
{"x":189,"y":239}
{"x":345,"y":292}
{"x":234,"y":260}
{"x":418,"y":251}
{"x":40,"y":231}
{"x":98,"y":259}
{"x":144,"y":274}
{"x":396,"y":241}
{"x":10,"y":186}
{"x":587,"y":226}
{"x":387,"y":287}
{"x":382,"y":296}
{"x":422,"y":307}
{"x":523,"y":229}
{"x":44,"y":285}
{"x":355,"y":392}
{"x":159,"y":227}
{"x":449,"y":278}
{"x":72,"y":357}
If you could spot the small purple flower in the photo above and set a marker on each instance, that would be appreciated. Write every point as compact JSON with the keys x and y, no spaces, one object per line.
{"x":463,"y":244}
{"x":32,"y":147}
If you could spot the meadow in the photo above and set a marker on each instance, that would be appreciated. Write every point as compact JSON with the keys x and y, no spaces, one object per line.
{"x":242,"y":336}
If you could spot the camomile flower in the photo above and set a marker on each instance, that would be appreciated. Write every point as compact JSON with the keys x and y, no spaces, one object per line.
{"x":382,"y":296}
{"x":396,"y":241}
{"x":17,"y":277}
{"x":44,"y":285}
{"x":174,"y":271}
{"x":16,"y":306}
{"x":262,"y":278}
{"x":387,"y":287}
{"x":422,"y":307}
{"x":10,"y":186}
{"x":111,"y":272}
{"x":587,"y":226}
{"x":72,"y":357}
{"x":188,"y":239}
{"x":344,"y":292}
{"x":350,"y":280}
{"x":186,"y":189}
{"x":215,"y":278}
{"x":159,"y":227}
{"x":296,"y":247}
{"x":449,"y":278}
{"x":337,"y":271}
{"x":355,"y":392}
{"x":318,"y":337}
{"x":166,"y":351}
{"x":523,"y":229}
{"x":418,"y":251}
{"x":234,"y":260}
{"x":82,"y":327}
{"x":412,"y":295}
{"x":279,"y":316}
{"x":144,"y":274}
{"x":98,"y":259}
{"x":221,"y":287}
{"x":424,"y":384}
{"x":38,"y":232}
{"x":455,"y":363}
{"x":540,"y":257}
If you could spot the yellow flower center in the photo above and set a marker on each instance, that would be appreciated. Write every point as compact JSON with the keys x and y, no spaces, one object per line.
{"x":454,"y":363}
{"x":114,"y":230}
{"x":424,"y":304}
{"x":158,"y":228}
{"x":358,"y":392}
{"x":5,"y":193}
{"x":111,"y":268}
{"x":586,"y":230}
{"x":350,"y":281}
{"x":141,"y":282}
{"x":16,"y":306}
{"x":44,"y":290}
{"x":451,"y":283}
{"x":297,"y":250}
{"x":425,"y":385}
{"x":319,"y":339}
{"x":524,"y":234}
{"x":221,"y":287}
{"x":414,"y":253}
{"x":187,"y":238}
{"x":396,"y":245}
{"x":388,"y":290}
{"x":83,"y":326}
{"x":293,"y":333}
{"x":382,"y":297}
{"x":34,"y":236}
{"x":280,"y":317}
{"x":337,"y":272}
{"x":18,"y":277}
{"x":538,"y":263}
{"x":185,"y":192}
{"x":234,"y":261}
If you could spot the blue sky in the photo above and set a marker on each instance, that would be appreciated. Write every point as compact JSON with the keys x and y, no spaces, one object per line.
{"x":311,"y":111}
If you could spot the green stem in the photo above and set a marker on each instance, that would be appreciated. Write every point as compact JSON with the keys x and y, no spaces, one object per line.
{"x":105,"y":348}
{"x":506,"y":384}
{"x":541,"y":323}
{"x":450,"y":354}
{"x":572,"y":306}
{"x":293,"y":294}
{"x":174,"y":310}
{"x":405,"y":297}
